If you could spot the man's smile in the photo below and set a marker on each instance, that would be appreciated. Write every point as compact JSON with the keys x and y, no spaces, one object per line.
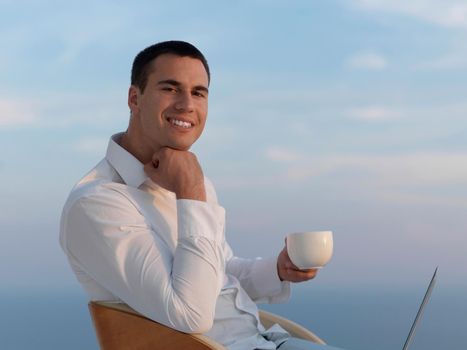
{"x":179,"y":122}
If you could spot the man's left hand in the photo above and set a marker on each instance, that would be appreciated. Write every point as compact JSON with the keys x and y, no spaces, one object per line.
{"x":287,"y":271}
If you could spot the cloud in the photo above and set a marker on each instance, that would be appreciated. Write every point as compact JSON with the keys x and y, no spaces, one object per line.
{"x":54,"y":110}
{"x":60,"y":46}
{"x":418,"y":178}
{"x":449,"y":61}
{"x":423,"y":178}
{"x":282,"y":155}
{"x":367,"y":61}
{"x":412,"y":169}
{"x":17,"y":113}
{"x":373,"y":113}
{"x":93,"y":145}
{"x":448,"y":13}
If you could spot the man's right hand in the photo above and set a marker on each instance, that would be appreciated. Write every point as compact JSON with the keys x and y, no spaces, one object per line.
{"x":179,"y":172}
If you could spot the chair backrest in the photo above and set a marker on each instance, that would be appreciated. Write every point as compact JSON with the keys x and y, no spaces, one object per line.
{"x":118,"y":327}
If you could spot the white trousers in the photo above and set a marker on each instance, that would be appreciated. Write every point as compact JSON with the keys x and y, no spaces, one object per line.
{"x":300,"y":344}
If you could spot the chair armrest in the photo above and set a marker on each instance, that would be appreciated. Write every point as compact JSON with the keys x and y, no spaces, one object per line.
{"x":119,"y":327}
{"x":296,"y":330}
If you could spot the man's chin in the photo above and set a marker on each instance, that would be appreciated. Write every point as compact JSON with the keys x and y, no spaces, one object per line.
{"x":185,"y":145}
{"x":180,"y":143}
{"x":179,"y":147}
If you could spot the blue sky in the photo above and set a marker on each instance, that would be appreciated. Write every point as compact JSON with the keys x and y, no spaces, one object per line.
{"x":341,"y":115}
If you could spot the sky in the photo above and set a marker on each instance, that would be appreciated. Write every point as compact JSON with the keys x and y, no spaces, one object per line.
{"x":347,"y":116}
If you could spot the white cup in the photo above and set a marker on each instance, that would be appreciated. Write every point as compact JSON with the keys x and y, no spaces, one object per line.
{"x":310,"y":250}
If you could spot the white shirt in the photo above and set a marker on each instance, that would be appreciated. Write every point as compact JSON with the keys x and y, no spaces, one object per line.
{"x":129,"y":239}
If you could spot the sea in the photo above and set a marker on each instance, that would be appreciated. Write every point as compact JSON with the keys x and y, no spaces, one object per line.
{"x":354,"y":319}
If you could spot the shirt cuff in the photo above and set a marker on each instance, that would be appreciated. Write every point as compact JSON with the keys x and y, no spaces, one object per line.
{"x":266,"y":278}
{"x":200,"y":219}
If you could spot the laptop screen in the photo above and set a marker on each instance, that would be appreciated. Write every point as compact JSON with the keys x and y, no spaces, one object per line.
{"x":415,"y":323}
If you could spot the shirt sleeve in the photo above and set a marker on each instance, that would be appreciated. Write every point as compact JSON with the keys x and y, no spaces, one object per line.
{"x":116,"y":246}
{"x":258,"y":277}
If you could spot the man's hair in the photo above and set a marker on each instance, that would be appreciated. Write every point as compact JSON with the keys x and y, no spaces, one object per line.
{"x":142,"y":64}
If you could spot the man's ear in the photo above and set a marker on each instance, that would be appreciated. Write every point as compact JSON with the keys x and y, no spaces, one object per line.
{"x":133,"y":98}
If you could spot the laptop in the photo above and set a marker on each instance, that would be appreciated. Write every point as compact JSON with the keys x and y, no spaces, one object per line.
{"x":415,"y":323}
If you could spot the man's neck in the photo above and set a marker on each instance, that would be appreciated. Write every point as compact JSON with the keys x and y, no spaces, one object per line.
{"x":127,"y":142}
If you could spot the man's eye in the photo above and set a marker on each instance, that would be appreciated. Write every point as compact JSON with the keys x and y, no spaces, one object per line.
{"x":198,"y":94}
{"x":169,"y":89}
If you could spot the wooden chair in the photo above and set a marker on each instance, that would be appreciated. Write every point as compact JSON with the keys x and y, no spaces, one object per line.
{"x":119,"y":327}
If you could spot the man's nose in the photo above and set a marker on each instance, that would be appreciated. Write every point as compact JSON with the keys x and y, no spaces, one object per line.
{"x":184,"y":102}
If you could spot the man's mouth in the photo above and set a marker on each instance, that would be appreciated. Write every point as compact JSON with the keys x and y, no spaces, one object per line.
{"x":181,"y":123}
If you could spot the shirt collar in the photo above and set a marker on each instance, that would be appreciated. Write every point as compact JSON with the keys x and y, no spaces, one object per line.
{"x":130,"y":169}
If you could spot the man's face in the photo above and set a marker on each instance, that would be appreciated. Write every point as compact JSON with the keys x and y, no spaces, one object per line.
{"x":172,"y":110}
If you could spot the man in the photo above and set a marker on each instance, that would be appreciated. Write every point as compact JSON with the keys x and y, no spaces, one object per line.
{"x":144,"y":225}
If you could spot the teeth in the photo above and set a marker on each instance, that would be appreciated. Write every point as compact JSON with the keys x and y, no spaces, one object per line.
{"x":180,"y":123}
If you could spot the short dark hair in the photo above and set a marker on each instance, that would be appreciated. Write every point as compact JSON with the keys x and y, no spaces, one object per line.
{"x":142,"y":63}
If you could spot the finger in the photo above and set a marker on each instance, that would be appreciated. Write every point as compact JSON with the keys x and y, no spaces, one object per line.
{"x":295,"y":268}
{"x":307,"y":274}
{"x":288,"y":262}
{"x":155,"y":159}
{"x":300,"y":276}
{"x":150,"y":170}
{"x":291,"y":265}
